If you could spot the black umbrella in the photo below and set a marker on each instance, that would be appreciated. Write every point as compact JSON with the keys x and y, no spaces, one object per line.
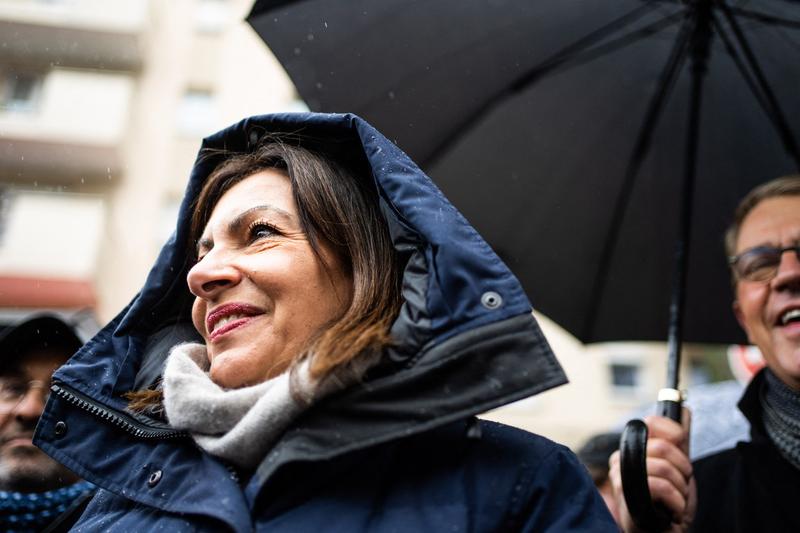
{"x":583,"y":139}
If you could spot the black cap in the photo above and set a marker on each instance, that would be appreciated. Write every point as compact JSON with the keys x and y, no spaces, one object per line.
{"x":595,"y":452}
{"x":37,"y":333}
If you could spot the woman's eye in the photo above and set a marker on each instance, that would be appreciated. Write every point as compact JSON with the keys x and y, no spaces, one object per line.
{"x":261,"y":230}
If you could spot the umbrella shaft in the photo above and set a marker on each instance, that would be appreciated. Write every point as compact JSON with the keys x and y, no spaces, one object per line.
{"x":699,"y":49}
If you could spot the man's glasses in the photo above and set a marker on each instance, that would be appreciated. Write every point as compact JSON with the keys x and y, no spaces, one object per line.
{"x":760,"y":263}
{"x":12,"y":392}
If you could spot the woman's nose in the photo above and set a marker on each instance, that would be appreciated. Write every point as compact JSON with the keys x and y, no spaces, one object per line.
{"x":213,"y":273}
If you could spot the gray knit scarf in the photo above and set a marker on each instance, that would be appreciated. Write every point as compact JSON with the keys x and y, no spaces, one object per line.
{"x":237,"y":425}
{"x":781,"y":406}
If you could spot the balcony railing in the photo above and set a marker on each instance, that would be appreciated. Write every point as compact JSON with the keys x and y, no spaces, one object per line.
{"x":76,"y":33}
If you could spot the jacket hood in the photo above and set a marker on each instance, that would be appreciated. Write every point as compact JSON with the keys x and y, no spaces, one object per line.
{"x":466,"y":339}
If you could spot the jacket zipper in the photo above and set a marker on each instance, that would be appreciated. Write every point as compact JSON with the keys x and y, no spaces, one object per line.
{"x":123,"y":421}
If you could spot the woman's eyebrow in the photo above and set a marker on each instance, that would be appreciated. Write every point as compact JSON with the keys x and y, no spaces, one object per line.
{"x":235,"y":225}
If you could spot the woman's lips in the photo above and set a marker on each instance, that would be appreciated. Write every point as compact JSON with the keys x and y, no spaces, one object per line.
{"x":230,"y":326}
{"x":233,"y":316}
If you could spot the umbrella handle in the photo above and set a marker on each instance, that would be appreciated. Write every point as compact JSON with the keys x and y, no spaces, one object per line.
{"x":633,"y":466}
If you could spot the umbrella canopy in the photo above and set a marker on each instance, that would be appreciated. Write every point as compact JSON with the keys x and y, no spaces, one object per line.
{"x":560,"y":129}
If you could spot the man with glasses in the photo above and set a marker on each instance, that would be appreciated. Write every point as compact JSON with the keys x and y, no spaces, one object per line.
{"x":36,"y":492}
{"x":756,"y":485}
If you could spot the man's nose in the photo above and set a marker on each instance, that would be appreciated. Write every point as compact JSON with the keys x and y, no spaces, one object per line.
{"x":788,"y":276}
{"x":31,"y":405}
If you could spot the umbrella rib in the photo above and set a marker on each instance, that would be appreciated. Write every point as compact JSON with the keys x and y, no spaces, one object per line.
{"x":737,"y":60}
{"x":536,"y":73}
{"x":571,"y":52}
{"x":785,"y":133}
{"x":594,"y":53}
{"x":657,"y":102}
{"x":766,"y":18}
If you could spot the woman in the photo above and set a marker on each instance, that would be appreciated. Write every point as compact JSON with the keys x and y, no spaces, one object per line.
{"x":351,"y":325}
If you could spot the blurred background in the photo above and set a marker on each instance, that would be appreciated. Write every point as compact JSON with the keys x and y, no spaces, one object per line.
{"x":103,"y":104}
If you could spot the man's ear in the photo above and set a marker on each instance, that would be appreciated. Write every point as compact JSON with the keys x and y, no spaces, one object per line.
{"x":737,"y":312}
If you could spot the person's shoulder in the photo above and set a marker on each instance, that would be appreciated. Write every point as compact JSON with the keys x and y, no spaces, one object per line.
{"x":485,"y":443}
{"x":495,"y":434}
{"x":716,"y":460}
{"x":507,"y":447}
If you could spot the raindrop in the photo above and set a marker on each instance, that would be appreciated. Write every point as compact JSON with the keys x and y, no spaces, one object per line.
{"x":297,"y":51}
{"x":325,"y":23}
{"x":319,"y":85}
{"x":35,"y":183}
{"x":391,"y":95}
{"x":310,"y":37}
{"x":83,"y":180}
{"x":22,"y":158}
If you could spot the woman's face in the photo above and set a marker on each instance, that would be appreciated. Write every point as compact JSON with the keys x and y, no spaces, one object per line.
{"x":261,"y":293}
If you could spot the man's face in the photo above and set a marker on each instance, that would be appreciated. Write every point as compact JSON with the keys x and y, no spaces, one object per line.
{"x":24,"y":467}
{"x":762,"y":307}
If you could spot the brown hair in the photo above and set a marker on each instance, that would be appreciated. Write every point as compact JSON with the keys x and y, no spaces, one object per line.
{"x":784,"y":186}
{"x":337,"y":207}
{"x":333,"y":206}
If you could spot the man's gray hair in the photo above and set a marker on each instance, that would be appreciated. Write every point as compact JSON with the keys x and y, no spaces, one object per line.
{"x":783,"y":186}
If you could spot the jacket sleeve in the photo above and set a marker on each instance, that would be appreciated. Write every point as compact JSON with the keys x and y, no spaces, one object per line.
{"x":560,"y":496}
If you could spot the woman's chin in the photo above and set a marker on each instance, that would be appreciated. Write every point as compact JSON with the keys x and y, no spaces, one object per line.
{"x":232,"y":372}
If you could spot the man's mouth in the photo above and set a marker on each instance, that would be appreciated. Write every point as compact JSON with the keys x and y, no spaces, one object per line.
{"x":17,"y":440}
{"x":789,"y":316}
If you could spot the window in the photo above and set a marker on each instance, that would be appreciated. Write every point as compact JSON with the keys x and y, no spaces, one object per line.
{"x":6,"y":199}
{"x":197,"y":113}
{"x":20,"y":91}
{"x":625,"y":376}
{"x":210,"y":16}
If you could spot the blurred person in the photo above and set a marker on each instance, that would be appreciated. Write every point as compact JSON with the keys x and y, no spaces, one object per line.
{"x":36,"y":492}
{"x":756,"y":485}
{"x":351,"y":324}
{"x":594,"y":454}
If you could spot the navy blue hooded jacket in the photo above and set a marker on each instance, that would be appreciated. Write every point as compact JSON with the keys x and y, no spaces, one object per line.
{"x":400,"y":451}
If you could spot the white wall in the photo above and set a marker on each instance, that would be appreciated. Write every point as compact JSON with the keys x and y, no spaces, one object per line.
{"x":51,"y":235}
{"x":75,"y":107}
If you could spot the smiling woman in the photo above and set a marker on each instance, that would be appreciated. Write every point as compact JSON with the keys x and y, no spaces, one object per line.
{"x":291,"y":250}
{"x":352,"y":324}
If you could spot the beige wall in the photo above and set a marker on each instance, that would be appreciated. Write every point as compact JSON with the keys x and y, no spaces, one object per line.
{"x":75,"y":106}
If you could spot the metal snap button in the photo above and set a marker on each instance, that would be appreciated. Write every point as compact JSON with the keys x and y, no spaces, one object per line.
{"x":60,"y":429}
{"x":491,"y":300}
{"x":154,"y":478}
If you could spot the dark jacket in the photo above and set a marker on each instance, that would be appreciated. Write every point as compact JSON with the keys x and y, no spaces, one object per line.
{"x":400,"y":451}
{"x":750,"y":488}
